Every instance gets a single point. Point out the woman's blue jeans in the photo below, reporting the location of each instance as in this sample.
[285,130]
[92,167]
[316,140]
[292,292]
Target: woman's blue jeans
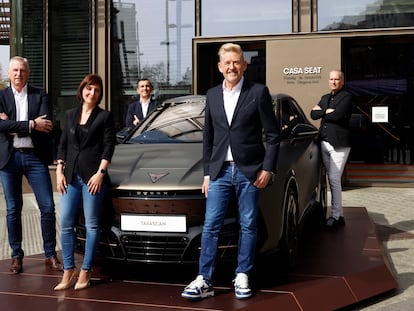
[69,204]
[219,195]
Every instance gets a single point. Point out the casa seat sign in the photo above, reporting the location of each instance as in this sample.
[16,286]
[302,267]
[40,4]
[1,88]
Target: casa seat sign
[302,70]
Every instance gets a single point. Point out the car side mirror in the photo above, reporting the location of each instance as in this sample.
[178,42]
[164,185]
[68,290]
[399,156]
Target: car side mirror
[302,131]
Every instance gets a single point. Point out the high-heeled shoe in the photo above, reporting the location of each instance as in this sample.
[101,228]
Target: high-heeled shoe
[69,278]
[84,275]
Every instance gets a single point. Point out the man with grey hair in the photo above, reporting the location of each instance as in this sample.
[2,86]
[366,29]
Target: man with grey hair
[236,160]
[26,150]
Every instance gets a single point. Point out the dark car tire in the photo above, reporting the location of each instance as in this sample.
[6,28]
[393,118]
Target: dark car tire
[290,238]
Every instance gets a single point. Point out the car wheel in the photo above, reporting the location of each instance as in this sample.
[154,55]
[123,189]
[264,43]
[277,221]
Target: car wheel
[290,239]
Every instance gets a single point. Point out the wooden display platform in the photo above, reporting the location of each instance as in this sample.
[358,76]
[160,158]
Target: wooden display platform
[335,269]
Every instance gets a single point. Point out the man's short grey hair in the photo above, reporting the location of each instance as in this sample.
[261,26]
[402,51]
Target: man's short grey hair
[20,60]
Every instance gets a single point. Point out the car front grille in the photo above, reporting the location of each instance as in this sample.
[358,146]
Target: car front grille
[150,248]
[155,248]
[184,203]
[158,247]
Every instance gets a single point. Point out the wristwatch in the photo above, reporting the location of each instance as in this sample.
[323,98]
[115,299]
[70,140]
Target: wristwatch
[103,171]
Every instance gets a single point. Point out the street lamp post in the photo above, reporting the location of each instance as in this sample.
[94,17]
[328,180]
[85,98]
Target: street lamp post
[178,26]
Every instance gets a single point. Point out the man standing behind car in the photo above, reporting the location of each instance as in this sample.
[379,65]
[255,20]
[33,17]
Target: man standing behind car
[139,109]
[237,113]
[26,149]
[335,109]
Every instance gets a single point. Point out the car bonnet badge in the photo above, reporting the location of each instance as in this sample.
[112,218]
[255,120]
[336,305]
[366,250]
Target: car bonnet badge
[156,177]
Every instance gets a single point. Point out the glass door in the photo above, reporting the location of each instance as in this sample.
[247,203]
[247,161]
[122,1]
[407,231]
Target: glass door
[379,73]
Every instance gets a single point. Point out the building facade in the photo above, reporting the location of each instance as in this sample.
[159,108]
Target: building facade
[290,46]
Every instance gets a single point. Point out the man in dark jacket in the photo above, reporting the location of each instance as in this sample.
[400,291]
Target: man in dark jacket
[237,114]
[334,110]
[26,149]
[139,109]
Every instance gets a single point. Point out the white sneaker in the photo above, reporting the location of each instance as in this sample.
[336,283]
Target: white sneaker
[241,286]
[198,289]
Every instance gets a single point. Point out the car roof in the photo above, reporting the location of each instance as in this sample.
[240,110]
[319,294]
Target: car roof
[186,99]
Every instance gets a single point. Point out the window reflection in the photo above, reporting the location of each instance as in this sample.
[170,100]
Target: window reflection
[32,44]
[151,39]
[364,14]
[245,17]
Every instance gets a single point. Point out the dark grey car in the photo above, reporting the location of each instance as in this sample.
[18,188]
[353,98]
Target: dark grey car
[155,207]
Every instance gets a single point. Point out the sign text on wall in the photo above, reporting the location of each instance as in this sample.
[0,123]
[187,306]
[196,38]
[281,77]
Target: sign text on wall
[302,75]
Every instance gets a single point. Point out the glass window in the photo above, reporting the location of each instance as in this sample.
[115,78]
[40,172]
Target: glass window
[69,55]
[33,44]
[245,17]
[151,39]
[70,42]
[363,14]
[176,121]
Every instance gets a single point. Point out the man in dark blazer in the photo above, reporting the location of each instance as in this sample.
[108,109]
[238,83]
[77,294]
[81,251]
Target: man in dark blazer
[139,109]
[25,149]
[335,109]
[238,114]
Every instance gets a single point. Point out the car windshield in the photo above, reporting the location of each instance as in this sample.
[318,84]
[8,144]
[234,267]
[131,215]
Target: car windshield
[172,122]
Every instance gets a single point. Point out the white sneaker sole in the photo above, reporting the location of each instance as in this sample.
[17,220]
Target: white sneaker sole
[243,296]
[202,296]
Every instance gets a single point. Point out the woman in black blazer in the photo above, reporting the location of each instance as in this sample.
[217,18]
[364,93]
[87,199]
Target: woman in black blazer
[85,151]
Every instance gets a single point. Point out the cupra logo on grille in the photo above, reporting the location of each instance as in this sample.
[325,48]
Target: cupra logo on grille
[156,177]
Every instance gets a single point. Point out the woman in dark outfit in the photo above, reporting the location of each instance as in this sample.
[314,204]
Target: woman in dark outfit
[85,151]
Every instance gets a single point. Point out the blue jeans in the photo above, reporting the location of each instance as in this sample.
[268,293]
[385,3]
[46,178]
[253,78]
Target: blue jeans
[219,195]
[69,204]
[38,177]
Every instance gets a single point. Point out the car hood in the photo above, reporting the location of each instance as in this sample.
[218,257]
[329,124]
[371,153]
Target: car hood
[157,167]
